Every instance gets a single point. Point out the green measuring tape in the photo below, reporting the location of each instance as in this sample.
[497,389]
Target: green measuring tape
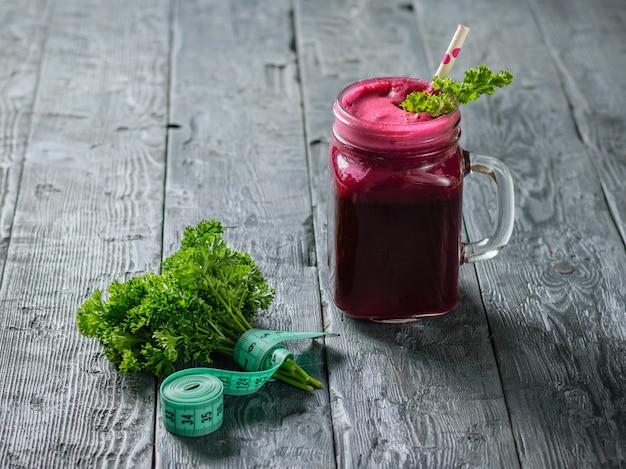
[192,400]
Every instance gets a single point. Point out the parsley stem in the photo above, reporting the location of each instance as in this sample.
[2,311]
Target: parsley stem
[240,323]
[315,383]
[225,349]
[294,382]
[303,374]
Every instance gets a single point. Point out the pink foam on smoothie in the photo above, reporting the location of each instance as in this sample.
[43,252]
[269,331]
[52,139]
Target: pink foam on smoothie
[368,116]
[380,103]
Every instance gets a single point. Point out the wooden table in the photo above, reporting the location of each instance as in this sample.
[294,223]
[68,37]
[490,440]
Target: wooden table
[122,122]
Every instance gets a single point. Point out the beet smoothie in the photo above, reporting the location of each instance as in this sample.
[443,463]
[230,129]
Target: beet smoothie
[397,183]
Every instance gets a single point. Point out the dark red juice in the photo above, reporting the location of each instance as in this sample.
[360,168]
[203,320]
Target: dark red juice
[392,258]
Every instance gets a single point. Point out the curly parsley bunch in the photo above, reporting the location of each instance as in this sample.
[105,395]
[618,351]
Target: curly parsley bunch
[203,300]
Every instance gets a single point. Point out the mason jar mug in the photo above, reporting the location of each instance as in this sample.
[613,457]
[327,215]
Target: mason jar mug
[395,220]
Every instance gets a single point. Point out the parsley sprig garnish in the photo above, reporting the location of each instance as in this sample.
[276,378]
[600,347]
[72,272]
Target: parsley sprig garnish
[446,94]
[204,299]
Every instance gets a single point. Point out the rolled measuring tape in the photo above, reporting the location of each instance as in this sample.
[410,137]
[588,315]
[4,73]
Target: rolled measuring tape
[192,400]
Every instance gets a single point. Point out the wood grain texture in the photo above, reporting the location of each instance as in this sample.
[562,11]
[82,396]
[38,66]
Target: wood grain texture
[586,43]
[555,297]
[237,154]
[425,394]
[89,210]
[21,41]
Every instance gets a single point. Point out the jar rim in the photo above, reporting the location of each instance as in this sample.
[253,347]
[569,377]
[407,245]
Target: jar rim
[351,120]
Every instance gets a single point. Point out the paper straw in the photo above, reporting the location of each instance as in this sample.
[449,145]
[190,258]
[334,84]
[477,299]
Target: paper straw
[453,51]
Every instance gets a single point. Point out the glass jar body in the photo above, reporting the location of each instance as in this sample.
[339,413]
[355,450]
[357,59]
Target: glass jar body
[395,220]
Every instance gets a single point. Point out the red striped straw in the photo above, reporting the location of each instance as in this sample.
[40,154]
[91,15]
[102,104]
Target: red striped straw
[453,51]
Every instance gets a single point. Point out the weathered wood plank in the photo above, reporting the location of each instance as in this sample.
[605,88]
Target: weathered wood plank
[425,394]
[239,157]
[21,40]
[89,210]
[555,297]
[586,41]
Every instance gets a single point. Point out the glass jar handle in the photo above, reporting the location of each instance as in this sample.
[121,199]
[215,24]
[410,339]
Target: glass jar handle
[489,247]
